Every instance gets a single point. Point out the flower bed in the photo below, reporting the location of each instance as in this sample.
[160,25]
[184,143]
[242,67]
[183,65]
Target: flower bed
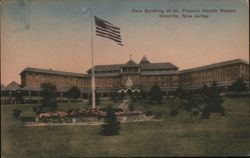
[80,115]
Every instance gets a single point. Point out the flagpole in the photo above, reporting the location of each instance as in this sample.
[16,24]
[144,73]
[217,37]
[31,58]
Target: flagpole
[93,70]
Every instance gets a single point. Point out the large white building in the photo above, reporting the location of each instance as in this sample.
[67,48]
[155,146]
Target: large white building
[111,78]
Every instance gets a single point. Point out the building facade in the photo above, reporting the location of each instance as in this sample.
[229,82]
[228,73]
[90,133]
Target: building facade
[109,79]
[224,73]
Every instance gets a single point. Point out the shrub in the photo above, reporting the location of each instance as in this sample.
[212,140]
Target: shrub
[156,94]
[179,92]
[213,102]
[205,113]
[148,113]
[114,109]
[48,95]
[35,109]
[158,114]
[70,110]
[74,93]
[238,86]
[223,113]
[146,106]
[131,107]
[111,125]
[195,112]
[114,97]
[118,110]
[173,112]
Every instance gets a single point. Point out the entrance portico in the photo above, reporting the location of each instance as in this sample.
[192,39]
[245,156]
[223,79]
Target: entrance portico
[128,91]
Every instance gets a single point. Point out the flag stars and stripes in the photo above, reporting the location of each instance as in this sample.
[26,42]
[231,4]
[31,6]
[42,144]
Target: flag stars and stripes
[108,30]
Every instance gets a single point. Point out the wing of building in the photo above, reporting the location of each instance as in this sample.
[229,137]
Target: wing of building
[143,75]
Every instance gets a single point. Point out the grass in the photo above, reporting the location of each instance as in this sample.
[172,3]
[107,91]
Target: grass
[174,136]
[163,108]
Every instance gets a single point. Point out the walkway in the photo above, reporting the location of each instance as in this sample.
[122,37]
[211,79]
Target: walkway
[124,105]
[95,123]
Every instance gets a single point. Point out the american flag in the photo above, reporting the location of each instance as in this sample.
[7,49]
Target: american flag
[108,30]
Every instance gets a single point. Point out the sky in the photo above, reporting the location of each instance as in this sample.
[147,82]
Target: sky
[56,34]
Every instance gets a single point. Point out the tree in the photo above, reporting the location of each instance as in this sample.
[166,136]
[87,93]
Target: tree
[213,102]
[48,95]
[238,86]
[143,94]
[205,90]
[111,125]
[16,113]
[74,93]
[122,95]
[192,101]
[156,94]
[131,107]
[173,110]
[179,92]
[114,97]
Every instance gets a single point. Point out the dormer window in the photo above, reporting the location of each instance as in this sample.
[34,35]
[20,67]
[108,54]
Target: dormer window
[144,60]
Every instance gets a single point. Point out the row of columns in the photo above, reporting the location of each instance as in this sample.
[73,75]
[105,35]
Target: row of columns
[108,94]
[12,100]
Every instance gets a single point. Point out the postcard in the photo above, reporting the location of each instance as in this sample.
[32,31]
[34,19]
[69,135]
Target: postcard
[122,78]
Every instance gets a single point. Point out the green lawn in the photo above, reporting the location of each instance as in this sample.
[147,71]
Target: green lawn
[174,136]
